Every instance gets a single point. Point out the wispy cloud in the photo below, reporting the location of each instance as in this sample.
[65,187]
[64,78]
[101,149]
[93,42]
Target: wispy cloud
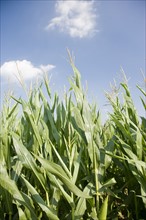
[15,70]
[77,18]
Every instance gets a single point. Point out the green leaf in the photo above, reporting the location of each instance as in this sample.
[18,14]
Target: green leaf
[27,160]
[107,184]
[38,199]
[58,184]
[10,186]
[103,209]
[59,172]
[81,205]
[22,215]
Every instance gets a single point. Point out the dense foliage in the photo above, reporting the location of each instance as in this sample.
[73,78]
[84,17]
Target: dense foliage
[58,161]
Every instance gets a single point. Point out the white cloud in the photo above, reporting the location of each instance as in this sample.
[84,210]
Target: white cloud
[14,70]
[77,18]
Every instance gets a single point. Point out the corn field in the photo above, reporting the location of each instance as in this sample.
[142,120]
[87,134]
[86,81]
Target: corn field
[58,161]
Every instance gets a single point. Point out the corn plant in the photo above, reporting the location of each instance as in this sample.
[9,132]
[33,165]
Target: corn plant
[129,155]
[58,161]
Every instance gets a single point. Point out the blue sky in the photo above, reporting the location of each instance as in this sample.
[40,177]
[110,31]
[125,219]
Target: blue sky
[103,36]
